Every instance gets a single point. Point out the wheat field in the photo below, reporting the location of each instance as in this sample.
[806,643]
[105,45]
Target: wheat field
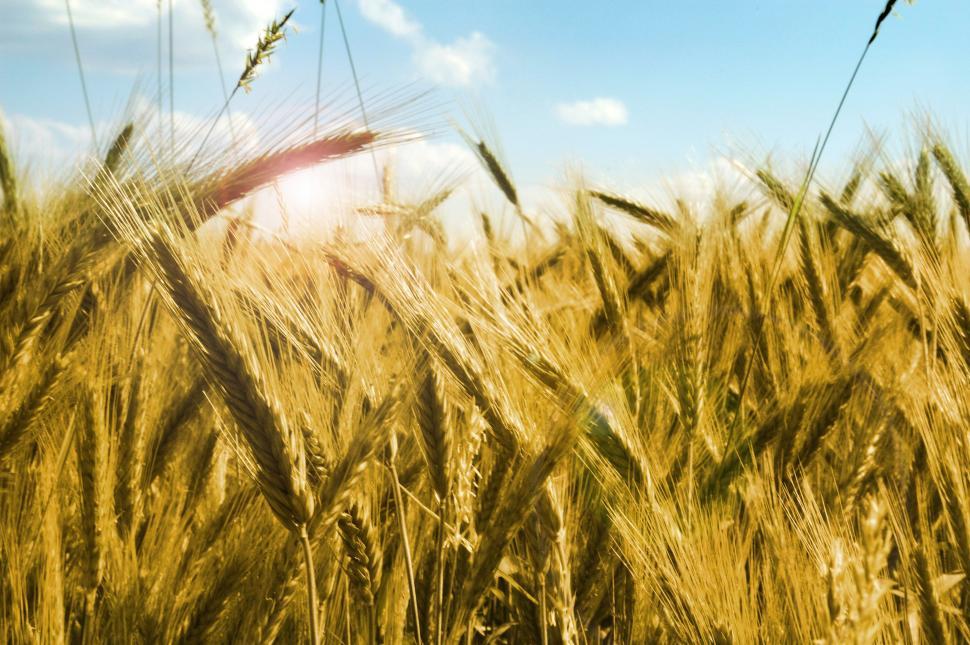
[625,428]
[730,421]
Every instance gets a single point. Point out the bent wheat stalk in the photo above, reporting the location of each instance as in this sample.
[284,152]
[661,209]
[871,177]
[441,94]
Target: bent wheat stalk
[277,451]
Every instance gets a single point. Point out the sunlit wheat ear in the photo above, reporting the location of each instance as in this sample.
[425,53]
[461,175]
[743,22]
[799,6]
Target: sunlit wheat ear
[816,289]
[956,178]
[346,471]
[317,464]
[556,579]
[499,175]
[127,408]
[260,55]
[209,17]
[72,271]
[414,312]
[174,431]
[277,449]
[613,307]
[776,190]
[333,495]
[91,447]
[227,185]
[265,47]
[599,426]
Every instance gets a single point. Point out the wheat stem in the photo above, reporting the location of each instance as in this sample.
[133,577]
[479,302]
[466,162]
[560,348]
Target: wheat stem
[311,586]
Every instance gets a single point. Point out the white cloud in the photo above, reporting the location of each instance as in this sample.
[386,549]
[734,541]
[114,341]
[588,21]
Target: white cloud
[49,146]
[464,62]
[101,15]
[43,145]
[461,63]
[598,111]
[390,16]
[121,35]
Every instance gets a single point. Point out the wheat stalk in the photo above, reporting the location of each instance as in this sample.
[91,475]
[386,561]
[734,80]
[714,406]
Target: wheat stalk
[509,516]
[234,377]
[276,450]
[256,57]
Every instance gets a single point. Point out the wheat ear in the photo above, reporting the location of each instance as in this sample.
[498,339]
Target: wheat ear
[257,56]
[434,431]
[238,384]
[524,491]
[640,212]
[278,452]
[359,537]
[958,181]
[8,179]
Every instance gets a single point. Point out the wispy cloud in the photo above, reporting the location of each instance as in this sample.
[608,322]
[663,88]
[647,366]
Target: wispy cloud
[53,146]
[598,111]
[465,61]
[120,35]
[391,17]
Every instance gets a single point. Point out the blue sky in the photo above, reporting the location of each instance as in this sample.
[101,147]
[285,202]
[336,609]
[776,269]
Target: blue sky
[633,91]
